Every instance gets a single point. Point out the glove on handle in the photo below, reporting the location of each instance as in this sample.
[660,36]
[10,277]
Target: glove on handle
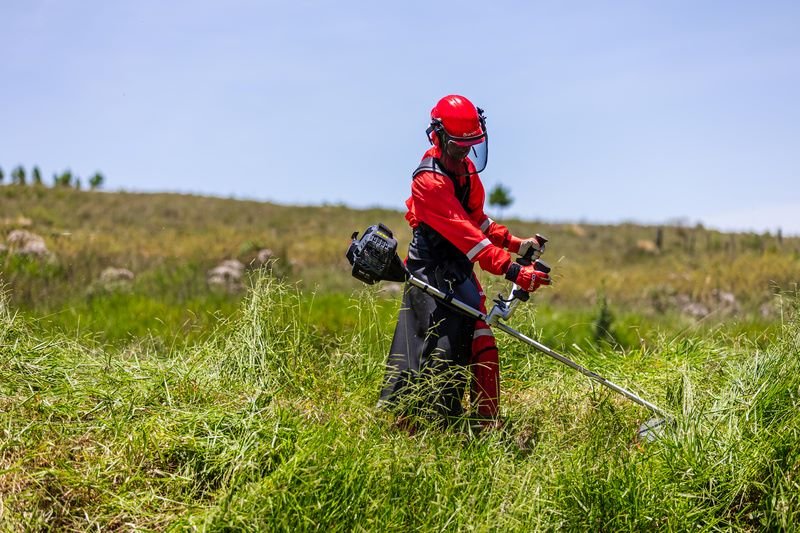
[529,277]
[532,249]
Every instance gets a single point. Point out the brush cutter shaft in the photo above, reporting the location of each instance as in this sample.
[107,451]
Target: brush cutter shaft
[470,311]
[583,370]
[433,291]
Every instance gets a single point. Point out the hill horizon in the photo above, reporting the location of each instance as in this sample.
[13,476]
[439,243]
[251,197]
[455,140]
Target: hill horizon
[684,221]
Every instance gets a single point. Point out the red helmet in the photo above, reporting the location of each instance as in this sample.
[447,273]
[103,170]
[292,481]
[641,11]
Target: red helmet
[460,128]
[458,116]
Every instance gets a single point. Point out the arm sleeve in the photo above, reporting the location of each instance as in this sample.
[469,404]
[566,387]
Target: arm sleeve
[497,234]
[435,204]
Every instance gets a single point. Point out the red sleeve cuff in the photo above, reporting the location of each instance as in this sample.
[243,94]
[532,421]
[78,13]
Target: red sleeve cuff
[514,244]
[493,260]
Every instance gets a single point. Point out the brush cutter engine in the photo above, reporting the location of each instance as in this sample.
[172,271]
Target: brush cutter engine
[374,256]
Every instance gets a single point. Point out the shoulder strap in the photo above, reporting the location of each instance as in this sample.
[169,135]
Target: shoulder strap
[430,164]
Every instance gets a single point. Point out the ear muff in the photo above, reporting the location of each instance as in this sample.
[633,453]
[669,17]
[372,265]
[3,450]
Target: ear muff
[482,119]
[434,131]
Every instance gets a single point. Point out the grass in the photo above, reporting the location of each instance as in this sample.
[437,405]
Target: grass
[152,234]
[167,405]
[271,425]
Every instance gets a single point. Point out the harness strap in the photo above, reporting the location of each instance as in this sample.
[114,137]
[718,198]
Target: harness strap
[431,164]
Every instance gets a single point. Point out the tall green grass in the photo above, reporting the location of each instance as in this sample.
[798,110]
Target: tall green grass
[271,425]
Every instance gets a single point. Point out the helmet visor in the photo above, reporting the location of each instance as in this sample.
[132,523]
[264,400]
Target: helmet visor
[476,149]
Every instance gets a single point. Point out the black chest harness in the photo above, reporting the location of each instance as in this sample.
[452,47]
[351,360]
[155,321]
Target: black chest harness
[428,245]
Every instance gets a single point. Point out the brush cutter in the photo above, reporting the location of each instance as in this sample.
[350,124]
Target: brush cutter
[374,258]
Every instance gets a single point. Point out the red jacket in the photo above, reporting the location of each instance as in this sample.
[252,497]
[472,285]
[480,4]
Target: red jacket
[481,239]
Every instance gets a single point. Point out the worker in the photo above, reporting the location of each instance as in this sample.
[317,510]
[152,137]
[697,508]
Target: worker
[436,350]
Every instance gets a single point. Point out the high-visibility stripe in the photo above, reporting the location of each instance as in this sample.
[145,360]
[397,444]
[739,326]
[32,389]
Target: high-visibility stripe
[486,332]
[486,223]
[477,248]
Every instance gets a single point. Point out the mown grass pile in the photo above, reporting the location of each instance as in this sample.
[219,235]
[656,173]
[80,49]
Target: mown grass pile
[271,424]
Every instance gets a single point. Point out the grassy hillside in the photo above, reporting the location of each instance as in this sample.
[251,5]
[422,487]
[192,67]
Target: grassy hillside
[170,241]
[163,403]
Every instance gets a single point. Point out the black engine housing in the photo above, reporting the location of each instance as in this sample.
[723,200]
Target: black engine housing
[374,256]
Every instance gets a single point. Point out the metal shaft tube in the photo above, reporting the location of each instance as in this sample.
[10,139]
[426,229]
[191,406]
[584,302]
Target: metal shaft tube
[471,311]
[583,370]
[458,304]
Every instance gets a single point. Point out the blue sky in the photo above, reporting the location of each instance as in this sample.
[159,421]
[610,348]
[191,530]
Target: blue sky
[598,111]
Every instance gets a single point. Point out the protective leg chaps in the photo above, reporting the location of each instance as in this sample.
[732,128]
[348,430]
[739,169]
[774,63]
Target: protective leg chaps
[485,366]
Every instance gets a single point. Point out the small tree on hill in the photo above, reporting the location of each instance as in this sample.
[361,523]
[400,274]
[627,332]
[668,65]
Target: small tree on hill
[96,181]
[18,176]
[501,197]
[1,175]
[63,180]
[36,176]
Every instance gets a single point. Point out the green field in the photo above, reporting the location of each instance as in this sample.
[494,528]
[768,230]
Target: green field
[166,404]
